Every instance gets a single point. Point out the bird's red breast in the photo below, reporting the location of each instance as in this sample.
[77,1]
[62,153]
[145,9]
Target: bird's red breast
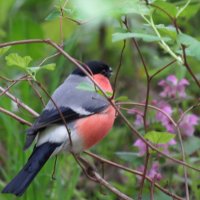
[103,82]
[94,128]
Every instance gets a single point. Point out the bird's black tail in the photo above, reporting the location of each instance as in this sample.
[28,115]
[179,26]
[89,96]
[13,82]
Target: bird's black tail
[35,162]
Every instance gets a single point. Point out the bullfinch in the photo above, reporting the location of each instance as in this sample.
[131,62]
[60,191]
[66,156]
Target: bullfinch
[88,114]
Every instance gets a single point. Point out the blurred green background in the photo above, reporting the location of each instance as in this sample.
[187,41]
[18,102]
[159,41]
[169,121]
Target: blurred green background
[27,19]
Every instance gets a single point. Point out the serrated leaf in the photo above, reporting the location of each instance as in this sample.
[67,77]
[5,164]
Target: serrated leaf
[145,37]
[86,87]
[192,45]
[53,15]
[159,137]
[14,59]
[50,66]
[4,50]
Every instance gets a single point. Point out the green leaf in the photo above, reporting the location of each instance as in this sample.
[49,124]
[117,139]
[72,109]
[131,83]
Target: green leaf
[159,137]
[91,88]
[50,66]
[68,11]
[122,98]
[4,50]
[145,37]
[166,6]
[34,70]
[14,59]
[190,11]
[53,15]
[133,7]
[193,45]
[168,31]
[86,87]
[108,94]
[101,9]
[191,145]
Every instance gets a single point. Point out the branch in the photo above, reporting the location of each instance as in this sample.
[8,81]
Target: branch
[18,102]
[71,59]
[110,187]
[16,117]
[114,164]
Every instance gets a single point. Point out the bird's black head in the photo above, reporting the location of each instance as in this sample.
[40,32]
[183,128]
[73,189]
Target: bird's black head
[94,67]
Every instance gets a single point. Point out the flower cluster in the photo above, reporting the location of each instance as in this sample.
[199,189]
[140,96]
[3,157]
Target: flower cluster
[171,88]
[153,172]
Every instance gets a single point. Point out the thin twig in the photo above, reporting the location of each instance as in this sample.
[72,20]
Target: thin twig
[110,187]
[14,83]
[188,67]
[37,92]
[49,57]
[118,69]
[185,112]
[14,116]
[146,73]
[18,102]
[59,111]
[54,169]
[66,55]
[161,69]
[152,190]
[114,164]
[144,173]
[184,160]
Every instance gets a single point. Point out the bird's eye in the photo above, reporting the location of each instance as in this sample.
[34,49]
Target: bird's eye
[103,71]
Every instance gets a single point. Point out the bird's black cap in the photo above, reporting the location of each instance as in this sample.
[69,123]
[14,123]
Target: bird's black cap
[96,67]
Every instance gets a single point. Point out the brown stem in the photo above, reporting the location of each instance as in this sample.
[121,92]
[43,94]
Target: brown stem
[188,67]
[146,73]
[21,120]
[114,164]
[161,69]
[37,93]
[118,69]
[161,9]
[110,187]
[18,102]
[59,111]
[144,173]
[65,54]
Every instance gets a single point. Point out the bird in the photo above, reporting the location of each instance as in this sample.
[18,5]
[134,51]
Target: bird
[88,114]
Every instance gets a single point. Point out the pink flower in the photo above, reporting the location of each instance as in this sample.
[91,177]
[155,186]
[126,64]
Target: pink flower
[153,173]
[165,147]
[188,123]
[141,147]
[138,117]
[172,87]
[164,106]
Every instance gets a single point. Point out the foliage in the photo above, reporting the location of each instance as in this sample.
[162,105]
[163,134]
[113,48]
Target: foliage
[166,32]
